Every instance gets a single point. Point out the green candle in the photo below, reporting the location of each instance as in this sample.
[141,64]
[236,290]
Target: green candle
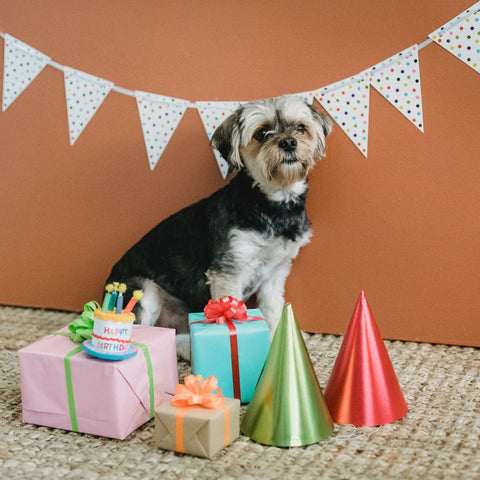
[106,299]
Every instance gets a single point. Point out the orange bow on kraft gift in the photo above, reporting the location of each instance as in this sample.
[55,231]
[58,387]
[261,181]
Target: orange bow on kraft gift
[197,392]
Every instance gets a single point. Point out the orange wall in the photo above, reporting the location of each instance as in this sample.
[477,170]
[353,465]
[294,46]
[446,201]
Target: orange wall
[404,224]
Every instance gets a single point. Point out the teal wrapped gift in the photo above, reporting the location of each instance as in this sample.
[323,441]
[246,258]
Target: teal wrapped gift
[233,351]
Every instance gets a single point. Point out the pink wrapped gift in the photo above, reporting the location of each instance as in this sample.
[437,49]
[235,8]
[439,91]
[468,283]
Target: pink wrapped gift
[64,387]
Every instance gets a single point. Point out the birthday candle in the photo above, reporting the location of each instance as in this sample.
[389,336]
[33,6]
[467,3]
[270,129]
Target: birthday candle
[137,296]
[106,299]
[113,297]
[121,290]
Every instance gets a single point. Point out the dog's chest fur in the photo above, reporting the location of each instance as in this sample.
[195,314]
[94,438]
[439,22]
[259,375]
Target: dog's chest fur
[255,257]
[261,237]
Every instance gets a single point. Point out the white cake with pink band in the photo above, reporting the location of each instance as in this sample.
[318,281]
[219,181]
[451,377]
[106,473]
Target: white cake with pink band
[111,331]
[113,325]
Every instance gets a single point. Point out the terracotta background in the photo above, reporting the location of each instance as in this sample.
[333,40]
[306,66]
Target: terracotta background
[403,225]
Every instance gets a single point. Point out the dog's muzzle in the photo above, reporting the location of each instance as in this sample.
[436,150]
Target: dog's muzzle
[288,144]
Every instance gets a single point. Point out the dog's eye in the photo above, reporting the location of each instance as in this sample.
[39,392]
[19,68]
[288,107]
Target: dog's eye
[262,134]
[301,128]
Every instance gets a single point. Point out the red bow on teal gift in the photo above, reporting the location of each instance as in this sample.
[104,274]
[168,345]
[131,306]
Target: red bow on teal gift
[227,308]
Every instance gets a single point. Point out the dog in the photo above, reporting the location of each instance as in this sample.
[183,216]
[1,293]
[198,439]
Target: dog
[241,240]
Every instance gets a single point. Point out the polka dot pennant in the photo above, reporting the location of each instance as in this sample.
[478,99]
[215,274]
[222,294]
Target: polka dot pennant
[347,102]
[461,37]
[398,80]
[212,115]
[22,64]
[84,93]
[307,96]
[159,117]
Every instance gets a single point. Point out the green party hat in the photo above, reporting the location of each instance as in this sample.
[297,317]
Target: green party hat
[287,408]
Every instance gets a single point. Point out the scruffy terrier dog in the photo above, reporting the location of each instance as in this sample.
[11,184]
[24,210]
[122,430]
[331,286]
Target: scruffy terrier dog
[241,240]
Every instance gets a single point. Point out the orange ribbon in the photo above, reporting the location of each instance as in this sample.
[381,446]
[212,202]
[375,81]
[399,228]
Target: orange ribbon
[197,392]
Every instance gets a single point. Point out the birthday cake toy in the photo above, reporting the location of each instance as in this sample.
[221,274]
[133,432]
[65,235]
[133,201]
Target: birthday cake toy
[112,327]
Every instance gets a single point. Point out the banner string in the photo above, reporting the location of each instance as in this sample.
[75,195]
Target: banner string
[131,93]
[121,90]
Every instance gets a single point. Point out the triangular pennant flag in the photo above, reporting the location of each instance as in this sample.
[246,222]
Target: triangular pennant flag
[461,36]
[307,96]
[347,102]
[159,117]
[363,389]
[22,64]
[212,115]
[84,93]
[287,408]
[398,80]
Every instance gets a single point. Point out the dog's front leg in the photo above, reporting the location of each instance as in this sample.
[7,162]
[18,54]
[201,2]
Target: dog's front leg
[270,296]
[221,285]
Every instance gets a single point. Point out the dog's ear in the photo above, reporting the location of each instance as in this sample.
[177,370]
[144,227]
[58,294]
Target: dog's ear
[226,140]
[324,125]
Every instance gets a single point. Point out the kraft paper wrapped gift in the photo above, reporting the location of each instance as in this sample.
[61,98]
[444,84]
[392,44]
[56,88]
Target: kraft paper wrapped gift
[195,428]
[211,352]
[108,398]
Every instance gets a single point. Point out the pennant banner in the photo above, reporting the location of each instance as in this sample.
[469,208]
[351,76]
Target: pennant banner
[84,93]
[347,102]
[159,117]
[307,96]
[22,64]
[461,37]
[398,80]
[212,115]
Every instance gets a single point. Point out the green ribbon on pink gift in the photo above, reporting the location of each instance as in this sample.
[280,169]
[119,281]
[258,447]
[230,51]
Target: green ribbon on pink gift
[81,329]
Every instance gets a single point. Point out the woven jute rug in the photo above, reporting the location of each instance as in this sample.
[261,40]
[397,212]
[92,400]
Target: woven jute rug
[439,437]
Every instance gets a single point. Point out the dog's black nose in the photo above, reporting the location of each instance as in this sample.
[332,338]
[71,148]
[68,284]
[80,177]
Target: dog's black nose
[288,144]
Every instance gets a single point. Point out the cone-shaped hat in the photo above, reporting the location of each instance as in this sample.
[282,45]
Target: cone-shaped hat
[363,389]
[287,408]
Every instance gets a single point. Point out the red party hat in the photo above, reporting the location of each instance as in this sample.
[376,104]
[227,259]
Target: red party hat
[363,389]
